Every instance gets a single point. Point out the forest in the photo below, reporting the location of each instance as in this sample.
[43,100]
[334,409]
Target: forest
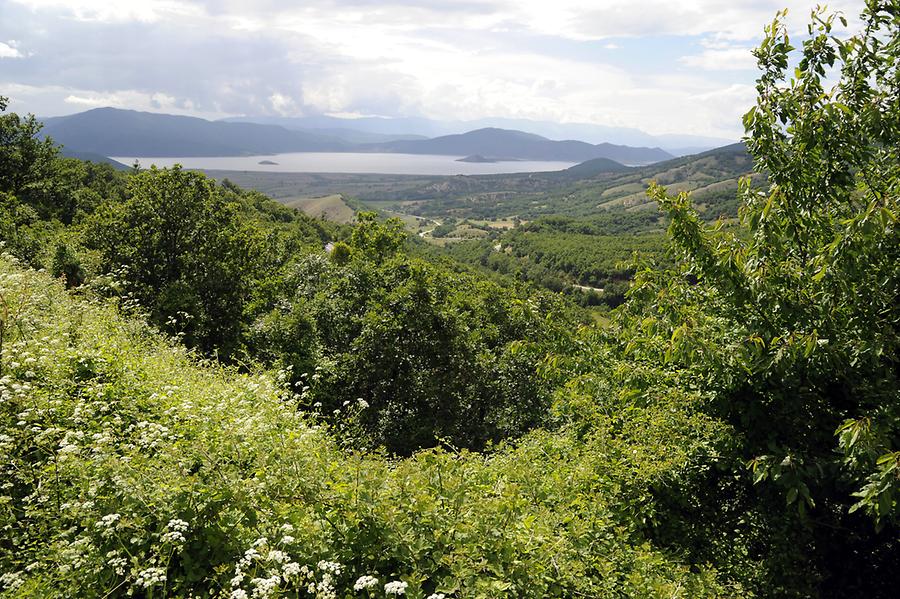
[204,393]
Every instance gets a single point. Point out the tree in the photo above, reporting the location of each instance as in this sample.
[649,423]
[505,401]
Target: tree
[26,161]
[184,253]
[433,354]
[791,324]
[376,240]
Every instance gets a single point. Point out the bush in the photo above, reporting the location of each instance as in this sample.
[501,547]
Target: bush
[130,470]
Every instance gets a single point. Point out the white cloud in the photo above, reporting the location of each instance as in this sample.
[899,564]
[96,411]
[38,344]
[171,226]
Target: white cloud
[282,104]
[115,11]
[457,59]
[9,50]
[734,58]
[598,19]
[129,99]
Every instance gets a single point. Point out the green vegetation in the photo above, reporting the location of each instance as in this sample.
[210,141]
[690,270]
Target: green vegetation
[584,191]
[331,207]
[137,470]
[199,400]
[435,355]
[573,256]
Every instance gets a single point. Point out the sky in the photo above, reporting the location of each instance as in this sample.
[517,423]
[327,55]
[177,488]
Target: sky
[662,66]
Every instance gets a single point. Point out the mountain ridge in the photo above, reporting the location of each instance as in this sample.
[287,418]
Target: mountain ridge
[117,132]
[677,144]
[493,141]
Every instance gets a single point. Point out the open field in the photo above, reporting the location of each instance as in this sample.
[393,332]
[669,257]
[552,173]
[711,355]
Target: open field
[332,207]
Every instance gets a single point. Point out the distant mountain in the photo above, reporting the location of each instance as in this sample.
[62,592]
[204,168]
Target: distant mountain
[675,144]
[592,168]
[92,157]
[114,132]
[526,146]
[347,134]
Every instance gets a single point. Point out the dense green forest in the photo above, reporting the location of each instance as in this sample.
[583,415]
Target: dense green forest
[208,394]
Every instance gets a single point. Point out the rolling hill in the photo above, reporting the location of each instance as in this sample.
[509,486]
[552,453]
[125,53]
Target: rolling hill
[92,157]
[594,187]
[492,142]
[333,208]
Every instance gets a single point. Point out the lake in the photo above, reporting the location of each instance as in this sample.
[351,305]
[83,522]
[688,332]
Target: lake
[350,162]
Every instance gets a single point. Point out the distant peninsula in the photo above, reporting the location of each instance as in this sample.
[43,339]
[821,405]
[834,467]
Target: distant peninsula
[267,162]
[486,159]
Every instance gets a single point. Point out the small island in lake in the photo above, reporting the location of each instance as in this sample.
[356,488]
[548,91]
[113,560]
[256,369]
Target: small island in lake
[267,162]
[485,159]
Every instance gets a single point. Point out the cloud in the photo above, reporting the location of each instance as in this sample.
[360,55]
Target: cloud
[600,19]
[114,11]
[718,56]
[130,99]
[459,59]
[9,50]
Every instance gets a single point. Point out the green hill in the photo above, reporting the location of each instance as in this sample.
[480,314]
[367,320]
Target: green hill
[332,207]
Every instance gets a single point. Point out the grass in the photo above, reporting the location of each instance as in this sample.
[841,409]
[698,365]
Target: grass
[332,207]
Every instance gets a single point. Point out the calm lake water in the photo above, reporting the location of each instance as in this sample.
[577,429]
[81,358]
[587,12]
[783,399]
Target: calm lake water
[332,162]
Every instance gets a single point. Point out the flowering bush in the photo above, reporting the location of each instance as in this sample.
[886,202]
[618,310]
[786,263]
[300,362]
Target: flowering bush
[130,469]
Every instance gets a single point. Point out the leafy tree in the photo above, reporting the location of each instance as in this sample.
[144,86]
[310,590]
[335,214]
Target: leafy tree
[185,254]
[435,355]
[377,240]
[26,161]
[790,325]
[66,264]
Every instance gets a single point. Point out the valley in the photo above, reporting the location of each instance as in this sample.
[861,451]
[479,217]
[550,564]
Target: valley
[432,300]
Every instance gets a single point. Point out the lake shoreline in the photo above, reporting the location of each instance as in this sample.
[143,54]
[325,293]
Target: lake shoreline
[349,163]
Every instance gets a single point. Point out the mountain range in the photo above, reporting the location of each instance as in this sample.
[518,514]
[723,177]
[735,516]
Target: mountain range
[517,144]
[676,144]
[116,132]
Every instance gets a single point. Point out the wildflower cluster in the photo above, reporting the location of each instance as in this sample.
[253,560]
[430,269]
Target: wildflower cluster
[397,587]
[365,582]
[119,453]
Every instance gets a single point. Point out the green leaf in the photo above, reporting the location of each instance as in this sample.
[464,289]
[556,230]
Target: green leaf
[791,495]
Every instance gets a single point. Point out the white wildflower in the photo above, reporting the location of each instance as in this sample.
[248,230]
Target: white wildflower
[175,532]
[264,587]
[249,556]
[151,577]
[291,569]
[397,587]
[12,580]
[364,582]
[437,596]
[108,520]
[238,594]
[118,565]
[332,567]
[177,524]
